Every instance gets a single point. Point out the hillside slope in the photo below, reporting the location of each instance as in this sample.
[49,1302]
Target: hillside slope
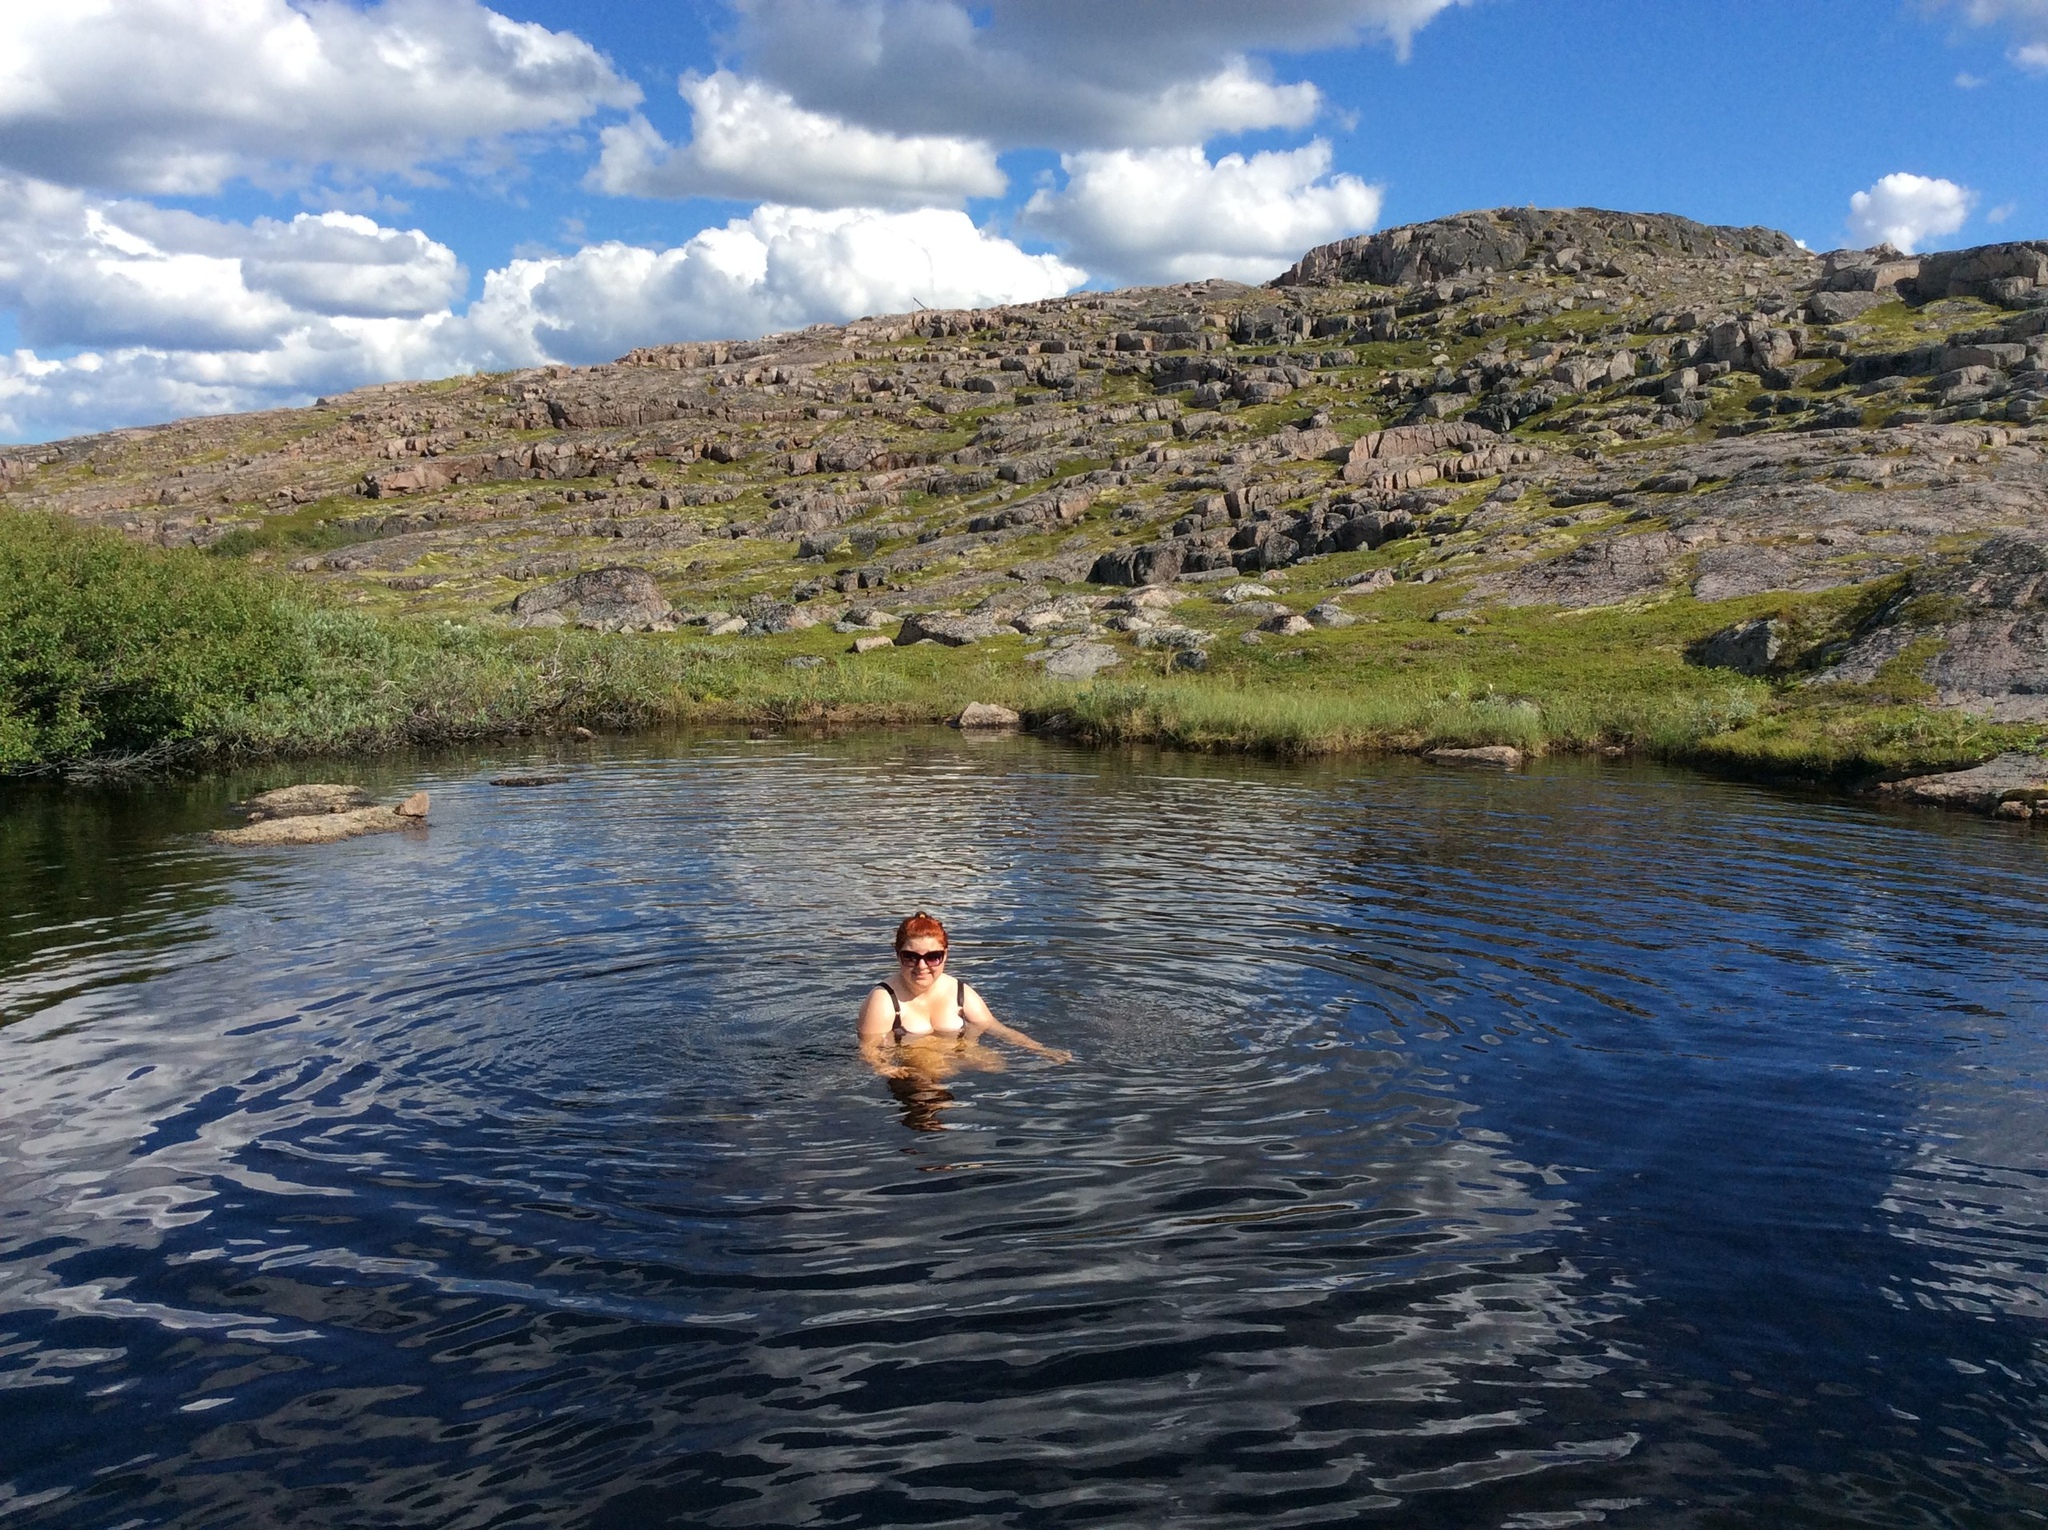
[1457,449]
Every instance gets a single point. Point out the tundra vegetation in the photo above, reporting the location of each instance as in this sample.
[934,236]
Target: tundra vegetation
[1570,480]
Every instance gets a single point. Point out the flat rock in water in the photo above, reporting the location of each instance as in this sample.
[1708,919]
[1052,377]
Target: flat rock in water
[985,715]
[1502,756]
[318,829]
[315,797]
[1980,789]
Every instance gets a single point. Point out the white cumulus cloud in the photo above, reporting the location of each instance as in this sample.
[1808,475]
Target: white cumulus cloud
[80,270]
[1174,215]
[751,140]
[185,315]
[1061,73]
[1906,210]
[779,268]
[181,96]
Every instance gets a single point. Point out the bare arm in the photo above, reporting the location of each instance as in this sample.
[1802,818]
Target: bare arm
[977,1014]
[876,1019]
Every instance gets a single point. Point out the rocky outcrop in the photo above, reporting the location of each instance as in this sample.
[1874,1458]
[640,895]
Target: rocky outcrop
[1512,238]
[1603,572]
[1076,659]
[2014,275]
[2012,786]
[1974,632]
[948,627]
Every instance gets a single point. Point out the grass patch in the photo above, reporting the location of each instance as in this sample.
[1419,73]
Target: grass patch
[309,529]
[111,650]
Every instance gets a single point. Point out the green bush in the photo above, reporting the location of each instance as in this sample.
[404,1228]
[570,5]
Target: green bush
[107,647]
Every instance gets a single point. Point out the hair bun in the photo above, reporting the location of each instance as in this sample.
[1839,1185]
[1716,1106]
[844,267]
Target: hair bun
[921,923]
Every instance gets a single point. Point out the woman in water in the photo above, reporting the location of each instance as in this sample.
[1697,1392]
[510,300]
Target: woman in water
[928,1016]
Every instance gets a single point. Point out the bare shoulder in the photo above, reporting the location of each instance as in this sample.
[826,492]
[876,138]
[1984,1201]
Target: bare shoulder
[972,1006]
[876,1011]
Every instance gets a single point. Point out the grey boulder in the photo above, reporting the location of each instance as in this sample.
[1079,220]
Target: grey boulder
[616,599]
[1077,661]
[1748,648]
[948,627]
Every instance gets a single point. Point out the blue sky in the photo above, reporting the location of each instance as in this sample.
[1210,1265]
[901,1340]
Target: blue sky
[231,204]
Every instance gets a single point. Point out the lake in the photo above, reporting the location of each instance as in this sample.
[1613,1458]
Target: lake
[1597,1145]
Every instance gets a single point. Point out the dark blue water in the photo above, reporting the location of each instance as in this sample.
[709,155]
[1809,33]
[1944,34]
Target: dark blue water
[1592,1146]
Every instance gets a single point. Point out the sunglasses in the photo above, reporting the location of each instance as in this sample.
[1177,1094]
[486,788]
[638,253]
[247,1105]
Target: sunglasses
[929,958]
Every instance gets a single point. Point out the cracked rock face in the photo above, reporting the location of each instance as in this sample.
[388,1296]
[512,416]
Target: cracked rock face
[1977,632]
[1597,573]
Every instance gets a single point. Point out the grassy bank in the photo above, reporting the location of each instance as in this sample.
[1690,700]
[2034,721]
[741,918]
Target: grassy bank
[114,654]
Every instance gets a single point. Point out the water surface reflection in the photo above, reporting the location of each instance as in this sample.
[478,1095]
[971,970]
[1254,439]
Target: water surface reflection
[1587,1146]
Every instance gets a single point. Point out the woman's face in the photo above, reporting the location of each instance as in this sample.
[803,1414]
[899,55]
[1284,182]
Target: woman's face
[921,959]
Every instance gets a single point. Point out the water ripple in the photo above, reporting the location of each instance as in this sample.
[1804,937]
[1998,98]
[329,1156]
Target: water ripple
[1592,1146]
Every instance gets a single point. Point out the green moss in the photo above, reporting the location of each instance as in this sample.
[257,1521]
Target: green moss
[1931,610]
[311,528]
[1904,678]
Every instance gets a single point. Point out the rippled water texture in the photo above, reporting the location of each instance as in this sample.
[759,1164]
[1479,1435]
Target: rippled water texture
[1443,1149]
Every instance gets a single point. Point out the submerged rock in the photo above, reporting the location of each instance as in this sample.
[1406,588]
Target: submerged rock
[304,801]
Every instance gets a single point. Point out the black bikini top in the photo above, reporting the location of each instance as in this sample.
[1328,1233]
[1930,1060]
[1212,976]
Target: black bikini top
[897,1032]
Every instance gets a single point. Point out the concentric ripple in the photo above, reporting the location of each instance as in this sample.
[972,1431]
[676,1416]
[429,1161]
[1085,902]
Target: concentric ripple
[1590,1146]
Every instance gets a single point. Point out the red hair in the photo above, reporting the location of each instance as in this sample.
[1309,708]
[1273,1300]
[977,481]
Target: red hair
[921,923]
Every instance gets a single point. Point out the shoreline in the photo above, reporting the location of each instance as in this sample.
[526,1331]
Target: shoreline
[127,660]
[1858,781]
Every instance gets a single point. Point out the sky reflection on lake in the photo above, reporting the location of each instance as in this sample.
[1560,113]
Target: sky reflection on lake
[1593,1146]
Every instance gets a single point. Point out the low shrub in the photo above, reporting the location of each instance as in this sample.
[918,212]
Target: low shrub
[107,647]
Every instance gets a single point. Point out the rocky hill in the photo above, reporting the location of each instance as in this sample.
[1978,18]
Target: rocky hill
[1569,410]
